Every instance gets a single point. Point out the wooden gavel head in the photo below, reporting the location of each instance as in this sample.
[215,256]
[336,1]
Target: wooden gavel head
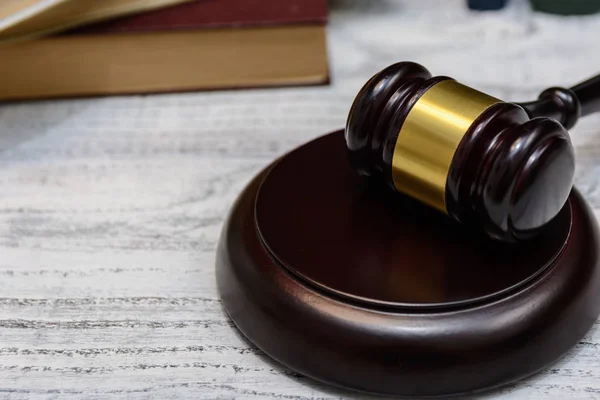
[481,161]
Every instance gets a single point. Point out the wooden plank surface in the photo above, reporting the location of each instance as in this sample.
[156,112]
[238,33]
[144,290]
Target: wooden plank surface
[111,208]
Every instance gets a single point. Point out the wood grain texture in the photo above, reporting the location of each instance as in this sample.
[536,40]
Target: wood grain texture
[111,208]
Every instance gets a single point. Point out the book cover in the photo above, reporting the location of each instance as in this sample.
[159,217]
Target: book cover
[217,14]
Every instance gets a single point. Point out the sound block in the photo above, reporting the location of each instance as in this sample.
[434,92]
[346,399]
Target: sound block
[359,287]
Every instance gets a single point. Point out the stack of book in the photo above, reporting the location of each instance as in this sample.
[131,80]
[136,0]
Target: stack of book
[68,48]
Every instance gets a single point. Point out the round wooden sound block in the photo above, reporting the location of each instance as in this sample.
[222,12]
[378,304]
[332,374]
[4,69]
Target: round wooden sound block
[367,289]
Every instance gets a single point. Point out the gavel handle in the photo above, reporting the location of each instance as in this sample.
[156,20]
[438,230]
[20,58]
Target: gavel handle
[567,105]
[588,93]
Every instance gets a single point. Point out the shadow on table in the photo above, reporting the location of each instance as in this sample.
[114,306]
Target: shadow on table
[21,122]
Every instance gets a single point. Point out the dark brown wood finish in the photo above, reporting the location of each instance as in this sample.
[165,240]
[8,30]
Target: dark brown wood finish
[588,94]
[510,175]
[368,238]
[567,105]
[513,170]
[377,114]
[364,288]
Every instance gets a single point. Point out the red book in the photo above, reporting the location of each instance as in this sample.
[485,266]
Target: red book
[219,14]
[205,44]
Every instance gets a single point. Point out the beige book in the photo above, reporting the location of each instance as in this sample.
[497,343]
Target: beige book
[29,19]
[13,12]
[10,8]
[167,61]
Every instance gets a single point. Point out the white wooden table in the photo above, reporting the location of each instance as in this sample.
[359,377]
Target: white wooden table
[110,208]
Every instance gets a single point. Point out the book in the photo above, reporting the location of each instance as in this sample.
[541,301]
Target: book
[202,45]
[28,19]
[19,9]
[220,14]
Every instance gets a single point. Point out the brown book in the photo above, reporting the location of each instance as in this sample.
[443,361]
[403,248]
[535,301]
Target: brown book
[206,44]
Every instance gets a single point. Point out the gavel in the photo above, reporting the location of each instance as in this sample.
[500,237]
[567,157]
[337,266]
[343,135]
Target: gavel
[504,168]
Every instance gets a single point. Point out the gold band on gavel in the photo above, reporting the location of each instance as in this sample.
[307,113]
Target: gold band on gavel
[430,136]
